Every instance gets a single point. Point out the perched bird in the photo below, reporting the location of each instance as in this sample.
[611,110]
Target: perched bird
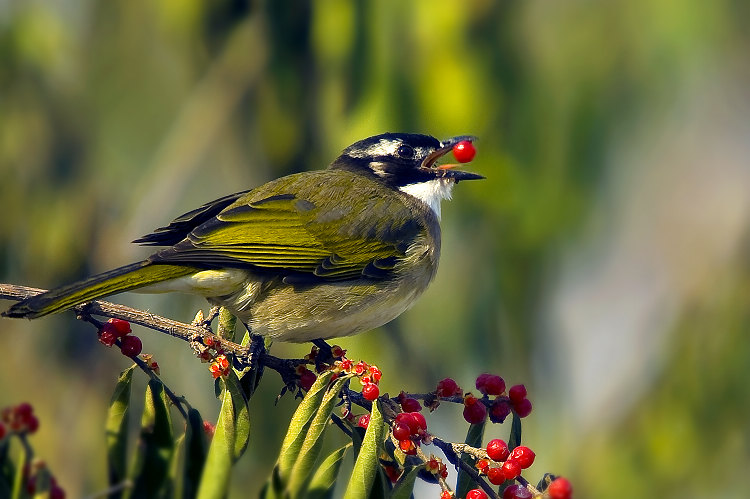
[312,255]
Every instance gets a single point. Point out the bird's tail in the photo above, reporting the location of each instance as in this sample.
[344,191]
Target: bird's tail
[136,275]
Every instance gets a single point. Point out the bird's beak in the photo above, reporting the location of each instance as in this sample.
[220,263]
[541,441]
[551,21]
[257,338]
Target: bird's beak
[449,171]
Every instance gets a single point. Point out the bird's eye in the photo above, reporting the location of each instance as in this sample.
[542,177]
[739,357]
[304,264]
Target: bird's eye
[405,151]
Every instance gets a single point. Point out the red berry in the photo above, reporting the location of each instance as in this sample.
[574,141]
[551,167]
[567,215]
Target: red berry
[523,455]
[363,421]
[517,393]
[464,151]
[32,424]
[401,431]
[511,469]
[56,492]
[447,388]
[474,410]
[517,491]
[476,494]
[407,447]
[209,428]
[306,379]
[370,391]
[408,419]
[522,408]
[376,374]
[497,450]
[446,494]
[560,488]
[119,326]
[410,405]
[24,410]
[490,384]
[495,476]
[392,472]
[3,431]
[499,410]
[107,337]
[421,421]
[361,367]
[131,346]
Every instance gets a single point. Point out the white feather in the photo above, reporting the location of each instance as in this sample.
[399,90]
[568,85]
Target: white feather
[431,192]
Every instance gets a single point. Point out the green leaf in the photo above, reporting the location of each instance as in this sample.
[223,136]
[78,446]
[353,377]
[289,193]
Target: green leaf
[117,430]
[228,443]
[515,433]
[174,467]
[196,449]
[367,464]
[227,324]
[156,445]
[321,485]
[473,438]
[19,487]
[381,486]
[313,442]
[405,484]
[241,415]
[301,419]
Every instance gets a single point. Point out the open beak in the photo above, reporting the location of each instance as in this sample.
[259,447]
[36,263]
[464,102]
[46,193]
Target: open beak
[449,171]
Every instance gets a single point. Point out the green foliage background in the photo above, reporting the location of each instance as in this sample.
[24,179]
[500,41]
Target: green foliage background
[604,261]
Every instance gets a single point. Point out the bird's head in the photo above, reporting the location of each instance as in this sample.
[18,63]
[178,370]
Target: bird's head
[408,162]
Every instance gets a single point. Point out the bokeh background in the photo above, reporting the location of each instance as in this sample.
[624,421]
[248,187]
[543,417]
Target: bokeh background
[605,261]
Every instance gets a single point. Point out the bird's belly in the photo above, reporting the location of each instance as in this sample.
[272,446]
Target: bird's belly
[206,283]
[329,310]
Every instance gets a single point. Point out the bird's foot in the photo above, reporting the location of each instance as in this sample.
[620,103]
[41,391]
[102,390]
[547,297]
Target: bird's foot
[255,350]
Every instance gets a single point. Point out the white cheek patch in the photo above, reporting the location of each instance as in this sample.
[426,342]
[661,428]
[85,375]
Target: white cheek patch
[431,192]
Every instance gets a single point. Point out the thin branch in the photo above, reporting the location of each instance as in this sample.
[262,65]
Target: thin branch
[181,330]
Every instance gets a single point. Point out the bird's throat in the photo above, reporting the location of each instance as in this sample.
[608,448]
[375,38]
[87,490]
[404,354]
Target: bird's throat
[431,192]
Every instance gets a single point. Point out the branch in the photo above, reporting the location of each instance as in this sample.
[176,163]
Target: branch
[186,332]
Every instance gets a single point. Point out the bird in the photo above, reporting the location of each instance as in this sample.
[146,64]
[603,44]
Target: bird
[309,256]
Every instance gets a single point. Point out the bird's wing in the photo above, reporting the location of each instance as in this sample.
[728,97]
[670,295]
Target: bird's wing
[304,231]
[183,225]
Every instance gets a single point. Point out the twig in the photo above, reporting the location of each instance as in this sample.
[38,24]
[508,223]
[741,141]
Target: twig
[185,332]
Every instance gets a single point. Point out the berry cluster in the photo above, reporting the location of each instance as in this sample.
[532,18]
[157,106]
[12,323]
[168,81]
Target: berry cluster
[510,462]
[437,467]
[115,329]
[18,419]
[489,385]
[410,430]
[219,367]
[210,350]
[369,375]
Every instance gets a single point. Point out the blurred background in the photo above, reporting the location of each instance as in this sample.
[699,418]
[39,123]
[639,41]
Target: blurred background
[605,261]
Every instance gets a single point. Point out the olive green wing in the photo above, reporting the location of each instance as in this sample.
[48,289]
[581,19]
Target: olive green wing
[302,235]
[181,226]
